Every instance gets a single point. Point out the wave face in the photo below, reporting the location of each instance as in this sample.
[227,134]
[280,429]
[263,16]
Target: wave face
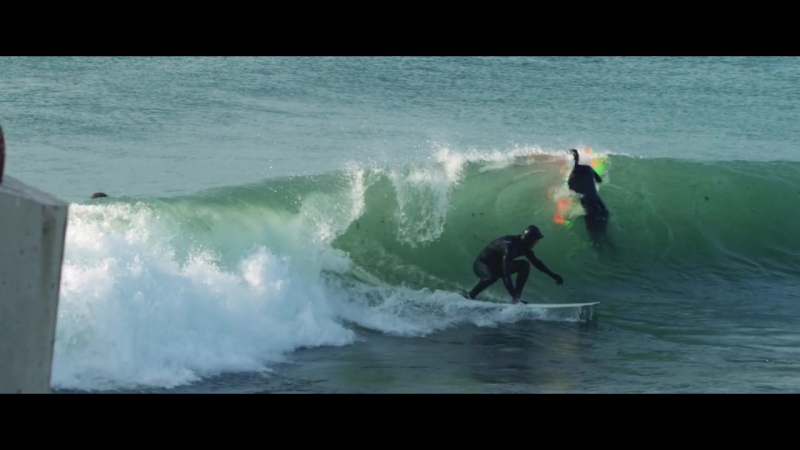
[160,292]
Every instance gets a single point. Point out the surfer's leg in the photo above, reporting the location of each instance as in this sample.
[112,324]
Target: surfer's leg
[595,228]
[596,219]
[522,268]
[486,276]
[602,207]
[601,226]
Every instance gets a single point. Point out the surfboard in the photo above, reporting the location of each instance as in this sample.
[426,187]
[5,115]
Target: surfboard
[561,305]
[537,305]
[364,276]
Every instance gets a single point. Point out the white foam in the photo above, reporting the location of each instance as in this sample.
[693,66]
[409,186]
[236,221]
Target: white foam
[423,196]
[132,315]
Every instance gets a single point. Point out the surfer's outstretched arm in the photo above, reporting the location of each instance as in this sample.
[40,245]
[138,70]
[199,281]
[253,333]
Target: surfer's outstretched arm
[596,176]
[542,267]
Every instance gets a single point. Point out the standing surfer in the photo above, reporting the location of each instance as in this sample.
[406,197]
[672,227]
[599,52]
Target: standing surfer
[582,181]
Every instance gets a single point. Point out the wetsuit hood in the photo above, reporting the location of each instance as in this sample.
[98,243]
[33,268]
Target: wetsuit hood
[531,233]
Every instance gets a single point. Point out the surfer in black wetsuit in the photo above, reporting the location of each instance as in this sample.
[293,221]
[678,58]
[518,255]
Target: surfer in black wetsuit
[498,260]
[582,181]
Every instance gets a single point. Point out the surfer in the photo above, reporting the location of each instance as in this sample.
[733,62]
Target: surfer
[499,260]
[582,181]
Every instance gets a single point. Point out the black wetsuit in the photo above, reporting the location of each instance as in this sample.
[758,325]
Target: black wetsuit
[581,181]
[497,260]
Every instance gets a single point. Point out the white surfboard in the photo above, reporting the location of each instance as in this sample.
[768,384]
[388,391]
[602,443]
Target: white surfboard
[364,276]
[538,305]
[561,305]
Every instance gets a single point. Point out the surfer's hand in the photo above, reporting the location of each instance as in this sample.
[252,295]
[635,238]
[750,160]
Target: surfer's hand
[559,280]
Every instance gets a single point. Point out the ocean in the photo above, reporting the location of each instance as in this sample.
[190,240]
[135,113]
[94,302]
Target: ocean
[303,225]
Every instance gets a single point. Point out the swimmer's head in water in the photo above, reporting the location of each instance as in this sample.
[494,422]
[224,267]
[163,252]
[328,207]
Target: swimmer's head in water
[98,195]
[531,235]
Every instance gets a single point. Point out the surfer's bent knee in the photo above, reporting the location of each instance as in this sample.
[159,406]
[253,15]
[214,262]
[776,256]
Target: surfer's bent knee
[483,271]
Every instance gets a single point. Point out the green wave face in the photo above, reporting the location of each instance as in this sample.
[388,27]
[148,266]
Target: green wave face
[421,227]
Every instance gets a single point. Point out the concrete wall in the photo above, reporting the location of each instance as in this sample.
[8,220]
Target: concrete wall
[32,232]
